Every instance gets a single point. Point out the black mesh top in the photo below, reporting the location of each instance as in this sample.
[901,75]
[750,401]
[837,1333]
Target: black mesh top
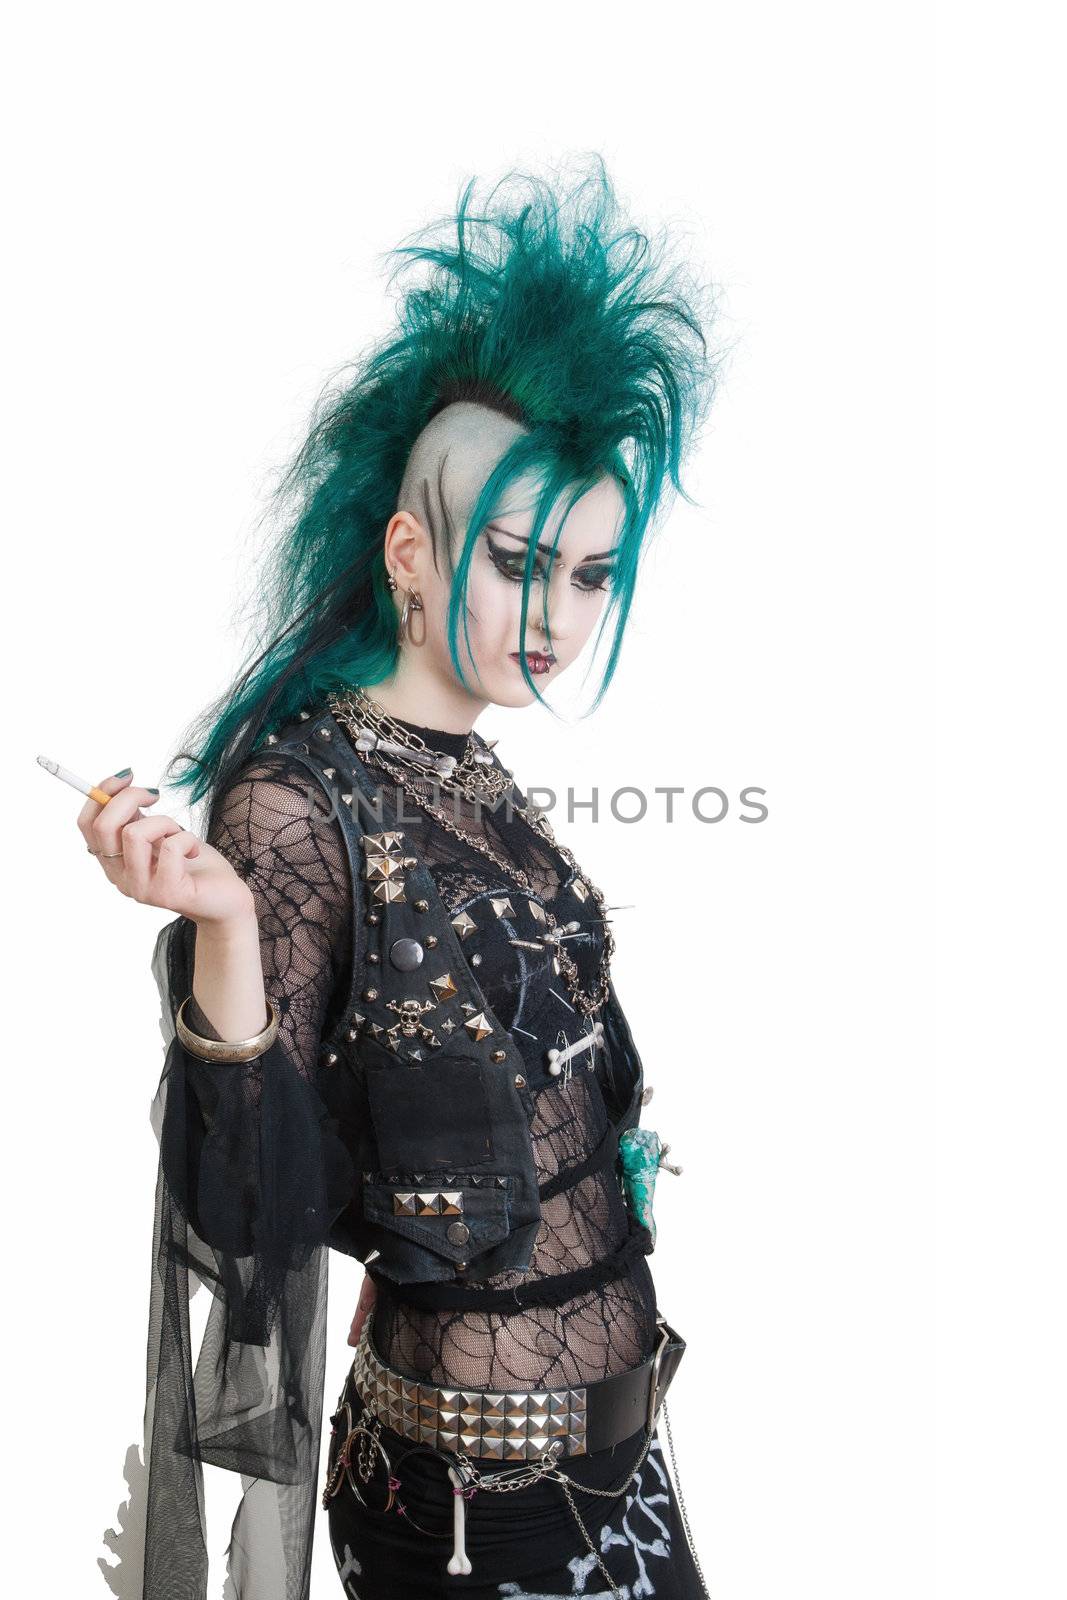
[256,1409]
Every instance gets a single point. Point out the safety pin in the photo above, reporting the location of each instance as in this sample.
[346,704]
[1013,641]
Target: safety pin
[557,1058]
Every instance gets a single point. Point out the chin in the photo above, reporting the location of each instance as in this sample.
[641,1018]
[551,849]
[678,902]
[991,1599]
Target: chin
[514,696]
[514,692]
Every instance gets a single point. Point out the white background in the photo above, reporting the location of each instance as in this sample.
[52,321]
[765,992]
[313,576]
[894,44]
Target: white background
[872,1403]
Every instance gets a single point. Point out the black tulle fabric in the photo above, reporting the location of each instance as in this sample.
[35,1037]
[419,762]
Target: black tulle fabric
[252,1177]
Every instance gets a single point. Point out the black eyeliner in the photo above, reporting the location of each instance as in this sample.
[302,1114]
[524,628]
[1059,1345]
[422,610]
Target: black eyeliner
[500,559]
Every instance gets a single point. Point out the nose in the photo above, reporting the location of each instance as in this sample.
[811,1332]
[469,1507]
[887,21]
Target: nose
[535,628]
[555,603]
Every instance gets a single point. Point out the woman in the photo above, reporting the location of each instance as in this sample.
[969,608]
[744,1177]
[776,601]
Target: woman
[465,511]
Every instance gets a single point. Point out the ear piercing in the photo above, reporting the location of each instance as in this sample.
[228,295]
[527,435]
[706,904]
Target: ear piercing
[412,602]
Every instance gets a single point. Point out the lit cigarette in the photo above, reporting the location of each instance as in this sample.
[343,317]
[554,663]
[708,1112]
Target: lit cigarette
[100,795]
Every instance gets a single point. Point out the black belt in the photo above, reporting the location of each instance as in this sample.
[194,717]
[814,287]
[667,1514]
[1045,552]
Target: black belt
[518,1424]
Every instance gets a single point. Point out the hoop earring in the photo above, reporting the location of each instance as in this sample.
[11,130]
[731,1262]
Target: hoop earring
[412,602]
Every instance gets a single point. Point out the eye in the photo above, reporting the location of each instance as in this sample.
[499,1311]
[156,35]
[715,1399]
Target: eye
[592,579]
[512,564]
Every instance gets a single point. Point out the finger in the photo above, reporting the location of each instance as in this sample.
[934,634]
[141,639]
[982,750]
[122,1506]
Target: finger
[92,808]
[171,864]
[137,843]
[111,819]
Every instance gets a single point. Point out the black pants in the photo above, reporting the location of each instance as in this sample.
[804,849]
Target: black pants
[523,1545]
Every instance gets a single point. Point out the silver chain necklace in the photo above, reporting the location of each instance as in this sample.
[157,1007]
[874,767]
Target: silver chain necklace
[475,775]
[478,779]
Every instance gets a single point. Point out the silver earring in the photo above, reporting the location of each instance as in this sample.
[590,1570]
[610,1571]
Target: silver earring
[412,602]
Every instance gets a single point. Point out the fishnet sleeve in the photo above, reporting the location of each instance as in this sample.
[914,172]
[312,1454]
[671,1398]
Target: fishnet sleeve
[252,1175]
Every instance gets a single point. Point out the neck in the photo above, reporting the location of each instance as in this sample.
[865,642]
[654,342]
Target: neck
[427,702]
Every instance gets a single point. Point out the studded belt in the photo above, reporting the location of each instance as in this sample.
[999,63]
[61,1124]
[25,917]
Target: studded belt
[518,1424]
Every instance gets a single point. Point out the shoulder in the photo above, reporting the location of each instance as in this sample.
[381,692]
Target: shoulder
[317,740]
[277,802]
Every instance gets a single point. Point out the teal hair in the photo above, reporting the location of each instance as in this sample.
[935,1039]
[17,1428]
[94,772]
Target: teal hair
[542,302]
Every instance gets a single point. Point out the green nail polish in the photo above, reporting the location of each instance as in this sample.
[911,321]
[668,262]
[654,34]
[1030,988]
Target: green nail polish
[123,774]
[153,791]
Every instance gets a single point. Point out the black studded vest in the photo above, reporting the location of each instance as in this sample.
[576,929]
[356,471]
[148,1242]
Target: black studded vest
[429,1091]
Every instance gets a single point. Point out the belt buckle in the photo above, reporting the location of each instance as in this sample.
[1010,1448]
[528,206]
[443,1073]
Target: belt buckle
[657,1361]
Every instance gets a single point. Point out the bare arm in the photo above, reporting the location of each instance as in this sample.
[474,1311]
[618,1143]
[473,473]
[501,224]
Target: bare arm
[228,979]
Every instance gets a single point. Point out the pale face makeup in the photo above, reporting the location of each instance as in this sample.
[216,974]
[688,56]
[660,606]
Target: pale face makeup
[577,575]
[446,472]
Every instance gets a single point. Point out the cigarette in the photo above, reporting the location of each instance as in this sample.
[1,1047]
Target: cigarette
[100,795]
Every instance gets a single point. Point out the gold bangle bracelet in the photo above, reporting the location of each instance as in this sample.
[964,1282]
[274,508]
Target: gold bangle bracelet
[222,1049]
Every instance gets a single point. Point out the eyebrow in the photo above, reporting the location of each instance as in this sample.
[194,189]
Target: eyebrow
[509,533]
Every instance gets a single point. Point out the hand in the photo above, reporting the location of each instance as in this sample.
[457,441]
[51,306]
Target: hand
[363,1308]
[158,862]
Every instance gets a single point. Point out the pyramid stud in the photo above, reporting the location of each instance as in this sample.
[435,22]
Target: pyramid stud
[377,867]
[390,893]
[443,987]
[478,1026]
[382,843]
[502,906]
[464,925]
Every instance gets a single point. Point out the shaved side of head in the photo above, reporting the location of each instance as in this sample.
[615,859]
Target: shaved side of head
[447,469]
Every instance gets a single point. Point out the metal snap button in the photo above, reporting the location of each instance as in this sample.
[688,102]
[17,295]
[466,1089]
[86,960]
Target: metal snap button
[458,1233]
[406,954]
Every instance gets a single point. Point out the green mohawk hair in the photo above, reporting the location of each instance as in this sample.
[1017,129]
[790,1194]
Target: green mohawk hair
[540,301]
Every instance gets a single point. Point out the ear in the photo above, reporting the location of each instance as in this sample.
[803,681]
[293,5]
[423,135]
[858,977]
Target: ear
[405,540]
